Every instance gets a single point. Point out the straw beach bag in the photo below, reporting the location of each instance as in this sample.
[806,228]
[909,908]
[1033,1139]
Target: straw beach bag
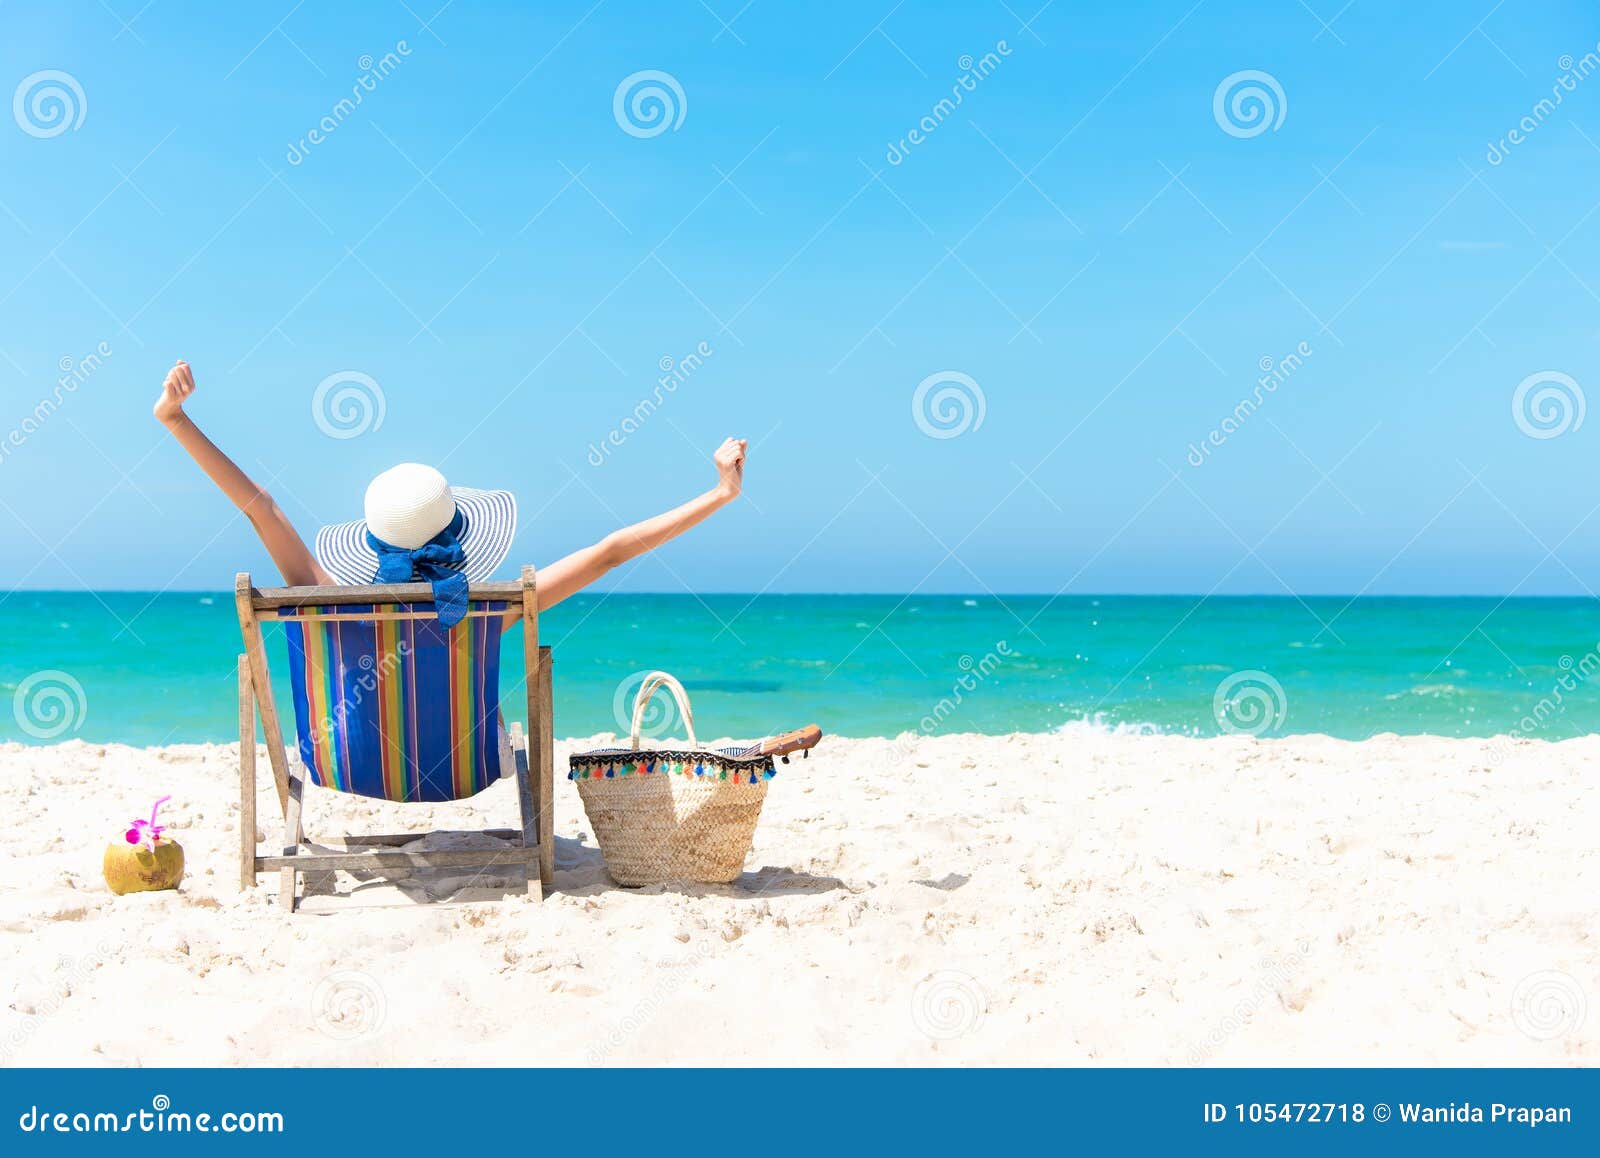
[660,814]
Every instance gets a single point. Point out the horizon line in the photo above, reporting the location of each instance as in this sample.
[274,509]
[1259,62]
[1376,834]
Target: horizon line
[6,593]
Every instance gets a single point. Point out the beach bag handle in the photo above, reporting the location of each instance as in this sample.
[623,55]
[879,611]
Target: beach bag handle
[653,681]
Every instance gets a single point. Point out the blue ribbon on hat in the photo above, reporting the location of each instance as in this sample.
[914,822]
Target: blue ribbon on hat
[437,561]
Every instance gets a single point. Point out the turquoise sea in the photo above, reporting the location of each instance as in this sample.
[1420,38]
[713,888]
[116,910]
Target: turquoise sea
[151,669]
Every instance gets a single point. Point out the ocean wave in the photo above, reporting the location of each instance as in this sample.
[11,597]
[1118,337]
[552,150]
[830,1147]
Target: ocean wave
[1432,691]
[1098,725]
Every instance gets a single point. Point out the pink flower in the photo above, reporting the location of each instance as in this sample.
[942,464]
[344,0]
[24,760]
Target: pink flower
[147,831]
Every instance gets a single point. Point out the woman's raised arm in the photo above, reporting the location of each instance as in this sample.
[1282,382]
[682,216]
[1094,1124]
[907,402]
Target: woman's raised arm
[567,576]
[295,561]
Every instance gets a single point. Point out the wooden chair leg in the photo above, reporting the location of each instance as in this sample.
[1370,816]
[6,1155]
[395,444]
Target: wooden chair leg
[247,777]
[292,835]
[544,770]
[530,825]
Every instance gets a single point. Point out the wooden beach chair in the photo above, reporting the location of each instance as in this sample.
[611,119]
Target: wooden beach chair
[391,704]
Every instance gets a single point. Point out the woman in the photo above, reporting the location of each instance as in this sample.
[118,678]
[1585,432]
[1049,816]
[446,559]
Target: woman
[419,527]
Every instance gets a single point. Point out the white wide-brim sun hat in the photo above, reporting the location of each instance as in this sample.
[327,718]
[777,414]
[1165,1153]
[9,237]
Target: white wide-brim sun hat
[409,504]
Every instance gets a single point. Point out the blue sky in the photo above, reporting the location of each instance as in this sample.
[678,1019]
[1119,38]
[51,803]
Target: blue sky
[1080,237]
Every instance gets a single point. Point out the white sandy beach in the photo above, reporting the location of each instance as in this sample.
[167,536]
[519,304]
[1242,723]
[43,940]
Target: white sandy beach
[1051,899]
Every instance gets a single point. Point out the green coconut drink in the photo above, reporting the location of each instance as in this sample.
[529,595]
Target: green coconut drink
[145,860]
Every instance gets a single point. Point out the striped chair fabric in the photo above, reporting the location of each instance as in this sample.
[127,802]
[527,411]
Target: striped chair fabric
[400,709]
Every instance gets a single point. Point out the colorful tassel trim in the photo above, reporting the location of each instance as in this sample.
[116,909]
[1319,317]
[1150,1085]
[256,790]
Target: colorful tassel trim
[614,771]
